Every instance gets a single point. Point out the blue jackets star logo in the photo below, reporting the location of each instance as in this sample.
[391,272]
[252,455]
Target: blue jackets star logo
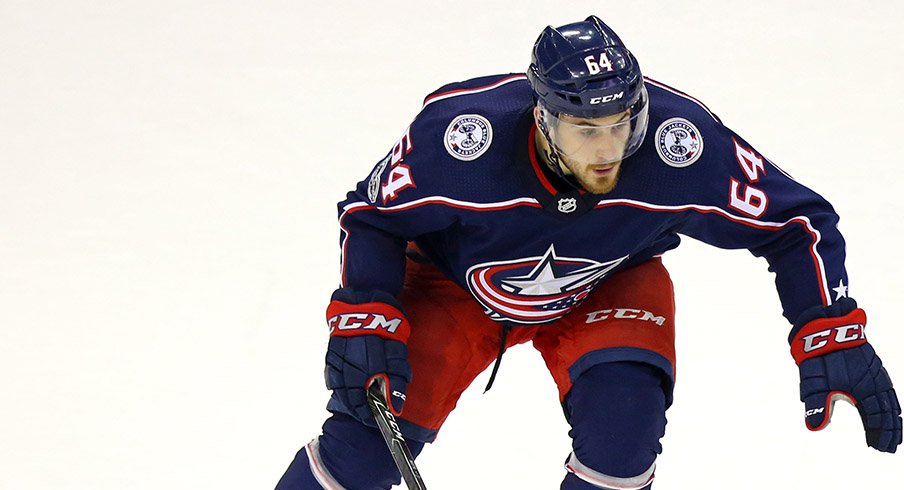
[544,280]
[536,289]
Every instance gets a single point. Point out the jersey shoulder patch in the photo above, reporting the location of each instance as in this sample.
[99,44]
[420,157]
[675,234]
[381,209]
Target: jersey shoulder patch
[678,142]
[468,136]
[464,132]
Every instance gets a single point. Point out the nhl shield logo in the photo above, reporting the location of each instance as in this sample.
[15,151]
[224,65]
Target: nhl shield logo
[567,204]
[535,290]
[678,142]
[468,136]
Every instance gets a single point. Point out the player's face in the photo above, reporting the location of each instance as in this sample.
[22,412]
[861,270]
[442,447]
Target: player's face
[592,149]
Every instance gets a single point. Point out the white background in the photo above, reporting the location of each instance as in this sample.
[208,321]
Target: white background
[168,178]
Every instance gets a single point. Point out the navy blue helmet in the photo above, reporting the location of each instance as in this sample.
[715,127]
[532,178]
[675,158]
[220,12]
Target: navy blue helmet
[584,70]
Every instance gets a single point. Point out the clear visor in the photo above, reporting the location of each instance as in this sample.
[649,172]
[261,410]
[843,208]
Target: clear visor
[597,141]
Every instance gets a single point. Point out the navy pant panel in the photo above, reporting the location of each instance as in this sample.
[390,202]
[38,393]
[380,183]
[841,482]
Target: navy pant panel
[617,416]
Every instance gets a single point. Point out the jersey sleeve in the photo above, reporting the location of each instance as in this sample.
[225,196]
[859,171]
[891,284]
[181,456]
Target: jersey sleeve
[388,209]
[745,201]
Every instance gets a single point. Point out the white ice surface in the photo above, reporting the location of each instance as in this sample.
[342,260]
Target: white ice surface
[168,178]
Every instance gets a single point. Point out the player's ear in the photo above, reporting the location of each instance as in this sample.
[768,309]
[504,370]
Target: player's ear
[537,115]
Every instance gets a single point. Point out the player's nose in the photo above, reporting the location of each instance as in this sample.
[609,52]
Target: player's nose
[607,149]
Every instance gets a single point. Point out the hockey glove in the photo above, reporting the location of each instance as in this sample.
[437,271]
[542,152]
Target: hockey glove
[367,339]
[837,363]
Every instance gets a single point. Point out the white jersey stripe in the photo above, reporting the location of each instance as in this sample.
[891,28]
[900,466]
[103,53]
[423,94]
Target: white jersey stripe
[821,272]
[477,90]
[680,94]
[786,174]
[475,206]
[493,206]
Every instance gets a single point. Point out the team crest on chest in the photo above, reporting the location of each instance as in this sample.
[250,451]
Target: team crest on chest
[535,289]
[678,142]
[468,136]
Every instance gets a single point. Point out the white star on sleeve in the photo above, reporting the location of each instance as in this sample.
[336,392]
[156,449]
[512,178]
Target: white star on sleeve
[841,291]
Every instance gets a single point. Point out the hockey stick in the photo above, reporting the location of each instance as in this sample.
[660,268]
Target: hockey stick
[392,434]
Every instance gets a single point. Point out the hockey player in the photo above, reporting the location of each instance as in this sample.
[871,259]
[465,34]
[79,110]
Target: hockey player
[535,207]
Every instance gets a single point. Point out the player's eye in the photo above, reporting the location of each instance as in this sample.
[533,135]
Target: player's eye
[588,132]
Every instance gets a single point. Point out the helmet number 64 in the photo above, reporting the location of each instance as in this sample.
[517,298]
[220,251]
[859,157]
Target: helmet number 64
[595,66]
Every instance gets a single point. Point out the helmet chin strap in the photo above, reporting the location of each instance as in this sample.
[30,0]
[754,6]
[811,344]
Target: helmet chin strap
[552,159]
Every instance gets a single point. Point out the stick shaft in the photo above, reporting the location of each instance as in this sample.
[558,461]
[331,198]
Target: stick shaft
[392,434]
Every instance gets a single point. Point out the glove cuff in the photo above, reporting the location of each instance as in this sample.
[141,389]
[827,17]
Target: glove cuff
[824,335]
[374,318]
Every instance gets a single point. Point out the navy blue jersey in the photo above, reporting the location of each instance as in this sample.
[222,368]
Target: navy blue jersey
[465,185]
